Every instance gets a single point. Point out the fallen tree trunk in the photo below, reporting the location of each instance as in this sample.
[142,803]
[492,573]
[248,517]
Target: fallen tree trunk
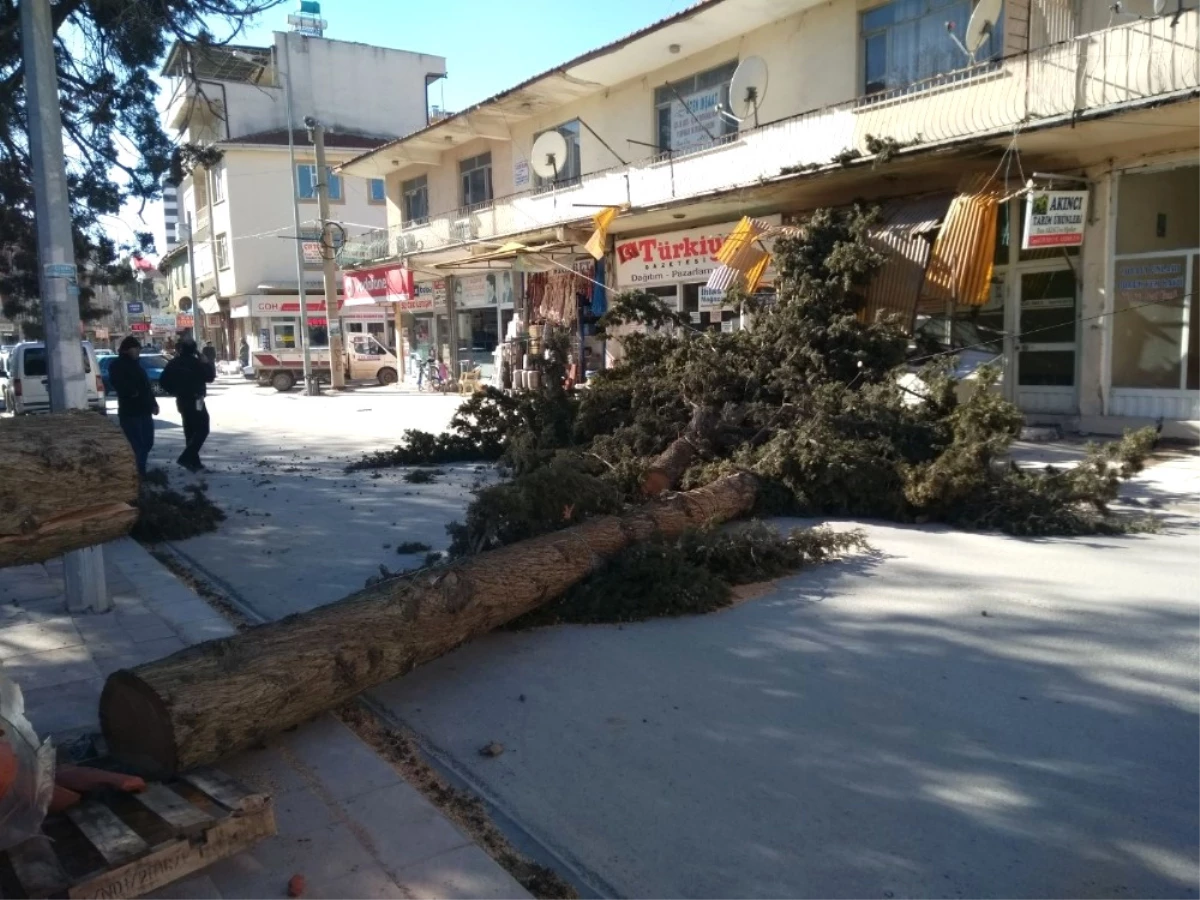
[208,701]
[67,480]
[668,467]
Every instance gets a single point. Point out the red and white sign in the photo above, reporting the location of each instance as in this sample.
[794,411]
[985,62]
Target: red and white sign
[278,306]
[390,284]
[185,320]
[676,257]
[139,327]
[1054,219]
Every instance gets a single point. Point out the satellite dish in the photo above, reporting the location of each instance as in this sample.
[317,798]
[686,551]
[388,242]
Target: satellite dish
[979,28]
[549,155]
[160,288]
[747,89]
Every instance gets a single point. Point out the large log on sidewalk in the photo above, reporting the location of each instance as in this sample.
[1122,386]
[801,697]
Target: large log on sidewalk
[208,701]
[67,480]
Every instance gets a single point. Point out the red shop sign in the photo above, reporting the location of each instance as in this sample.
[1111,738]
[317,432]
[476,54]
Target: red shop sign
[392,284]
[139,326]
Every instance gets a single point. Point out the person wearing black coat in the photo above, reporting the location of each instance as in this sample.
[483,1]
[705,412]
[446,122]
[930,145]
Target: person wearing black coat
[186,378]
[136,406]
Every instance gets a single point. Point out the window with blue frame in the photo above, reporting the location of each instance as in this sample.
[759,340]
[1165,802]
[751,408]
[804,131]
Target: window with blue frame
[306,183]
[376,190]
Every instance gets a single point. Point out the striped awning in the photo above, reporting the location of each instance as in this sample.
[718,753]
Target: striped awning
[960,263]
[904,236]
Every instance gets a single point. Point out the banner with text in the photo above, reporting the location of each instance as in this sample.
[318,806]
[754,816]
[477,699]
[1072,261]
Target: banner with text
[677,257]
[387,284]
[1054,219]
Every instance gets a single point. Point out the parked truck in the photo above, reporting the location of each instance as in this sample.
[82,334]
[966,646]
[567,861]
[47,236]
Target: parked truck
[365,359]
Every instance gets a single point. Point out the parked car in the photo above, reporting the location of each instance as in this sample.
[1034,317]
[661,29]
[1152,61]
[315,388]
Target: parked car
[28,387]
[153,364]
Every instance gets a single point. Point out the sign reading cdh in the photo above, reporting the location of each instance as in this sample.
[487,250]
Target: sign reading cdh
[1054,219]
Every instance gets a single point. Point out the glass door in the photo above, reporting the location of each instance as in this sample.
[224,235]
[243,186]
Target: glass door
[1047,339]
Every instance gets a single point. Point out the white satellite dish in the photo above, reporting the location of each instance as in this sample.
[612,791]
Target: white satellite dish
[549,155]
[1141,9]
[747,89]
[979,28]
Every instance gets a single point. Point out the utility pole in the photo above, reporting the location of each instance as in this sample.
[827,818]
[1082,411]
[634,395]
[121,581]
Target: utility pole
[83,570]
[311,387]
[337,375]
[191,244]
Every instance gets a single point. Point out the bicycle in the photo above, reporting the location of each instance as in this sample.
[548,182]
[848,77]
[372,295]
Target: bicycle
[429,376]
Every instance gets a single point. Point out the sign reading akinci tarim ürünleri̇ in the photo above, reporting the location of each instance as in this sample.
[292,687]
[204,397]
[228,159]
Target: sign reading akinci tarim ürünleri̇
[1054,219]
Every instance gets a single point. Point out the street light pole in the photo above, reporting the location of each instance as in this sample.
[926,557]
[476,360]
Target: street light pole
[83,570]
[337,375]
[311,388]
[191,245]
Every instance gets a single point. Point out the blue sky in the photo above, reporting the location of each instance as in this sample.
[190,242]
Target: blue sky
[489,45]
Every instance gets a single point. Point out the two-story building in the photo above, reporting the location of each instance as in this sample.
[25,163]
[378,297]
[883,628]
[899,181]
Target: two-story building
[777,107]
[240,209]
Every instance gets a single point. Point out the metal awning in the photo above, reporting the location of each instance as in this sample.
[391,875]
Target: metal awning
[513,256]
[904,237]
[210,305]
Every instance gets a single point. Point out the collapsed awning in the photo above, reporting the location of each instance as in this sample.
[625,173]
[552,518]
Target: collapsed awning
[960,263]
[904,237]
[514,256]
[210,305]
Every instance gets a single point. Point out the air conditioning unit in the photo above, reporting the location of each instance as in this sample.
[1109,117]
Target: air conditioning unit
[464,229]
[408,243]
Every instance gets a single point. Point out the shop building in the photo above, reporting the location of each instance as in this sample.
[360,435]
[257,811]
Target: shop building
[240,207]
[864,100]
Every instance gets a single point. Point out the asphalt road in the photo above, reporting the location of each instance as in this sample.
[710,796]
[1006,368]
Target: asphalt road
[957,715]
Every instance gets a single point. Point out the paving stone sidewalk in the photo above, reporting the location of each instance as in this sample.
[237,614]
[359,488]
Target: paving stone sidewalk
[347,821]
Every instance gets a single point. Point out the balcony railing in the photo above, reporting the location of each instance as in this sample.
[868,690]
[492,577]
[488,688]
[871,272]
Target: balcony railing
[1125,64]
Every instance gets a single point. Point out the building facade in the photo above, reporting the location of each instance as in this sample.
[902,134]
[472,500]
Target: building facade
[855,99]
[234,99]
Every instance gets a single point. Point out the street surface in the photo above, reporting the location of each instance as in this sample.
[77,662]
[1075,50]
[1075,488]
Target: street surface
[957,715]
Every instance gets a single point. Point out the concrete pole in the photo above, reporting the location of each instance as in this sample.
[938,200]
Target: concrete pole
[311,387]
[83,570]
[191,244]
[336,361]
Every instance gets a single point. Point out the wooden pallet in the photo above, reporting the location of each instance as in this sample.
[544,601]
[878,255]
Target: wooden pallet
[125,845]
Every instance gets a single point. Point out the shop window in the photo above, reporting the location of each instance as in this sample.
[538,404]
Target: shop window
[687,114]
[414,194]
[905,42]
[475,174]
[376,190]
[569,169]
[306,183]
[1148,322]
[1157,211]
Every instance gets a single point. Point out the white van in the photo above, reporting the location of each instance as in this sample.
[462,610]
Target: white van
[28,389]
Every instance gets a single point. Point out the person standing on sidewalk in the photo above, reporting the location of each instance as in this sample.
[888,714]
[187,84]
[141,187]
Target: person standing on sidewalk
[210,352]
[136,406]
[186,378]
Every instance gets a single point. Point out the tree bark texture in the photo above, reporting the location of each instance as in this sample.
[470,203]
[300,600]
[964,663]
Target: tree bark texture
[208,701]
[668,467]
[67,480]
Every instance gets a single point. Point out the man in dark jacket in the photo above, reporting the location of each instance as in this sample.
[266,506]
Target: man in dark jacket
[186,378]
[209,352]
[136,406]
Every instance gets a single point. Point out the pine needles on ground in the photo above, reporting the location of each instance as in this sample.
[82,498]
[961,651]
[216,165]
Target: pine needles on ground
[692,575]
[168,515]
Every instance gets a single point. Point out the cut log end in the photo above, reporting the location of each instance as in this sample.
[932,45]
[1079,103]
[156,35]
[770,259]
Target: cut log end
[137,726]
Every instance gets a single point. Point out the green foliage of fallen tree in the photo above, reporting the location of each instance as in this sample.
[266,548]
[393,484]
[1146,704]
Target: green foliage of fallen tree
[822,407]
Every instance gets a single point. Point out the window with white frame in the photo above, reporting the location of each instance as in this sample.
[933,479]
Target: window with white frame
[414,195]
[216,178]
[569,169]
[222,251]
[306,183]
[687,112]
[475,174]
[376,190]
[906,41]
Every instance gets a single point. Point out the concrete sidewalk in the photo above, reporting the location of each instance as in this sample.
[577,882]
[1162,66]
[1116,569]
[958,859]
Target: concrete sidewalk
[347,821]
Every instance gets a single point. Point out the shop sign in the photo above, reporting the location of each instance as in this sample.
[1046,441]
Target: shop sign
[134,308]
[387,284]
[101,334]
[1047,303]
[479,291]
[711,297]
[431,294]
[185,320]
[676,257]
[162,323]
[696,120]
[139,327]
[1054,219]
[1144,281]
[521,177]
[272,306]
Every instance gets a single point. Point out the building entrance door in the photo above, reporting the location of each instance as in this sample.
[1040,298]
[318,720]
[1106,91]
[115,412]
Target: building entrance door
[1044,322]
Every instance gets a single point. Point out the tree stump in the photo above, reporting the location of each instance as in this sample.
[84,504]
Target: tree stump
[67,480]
[208,701]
